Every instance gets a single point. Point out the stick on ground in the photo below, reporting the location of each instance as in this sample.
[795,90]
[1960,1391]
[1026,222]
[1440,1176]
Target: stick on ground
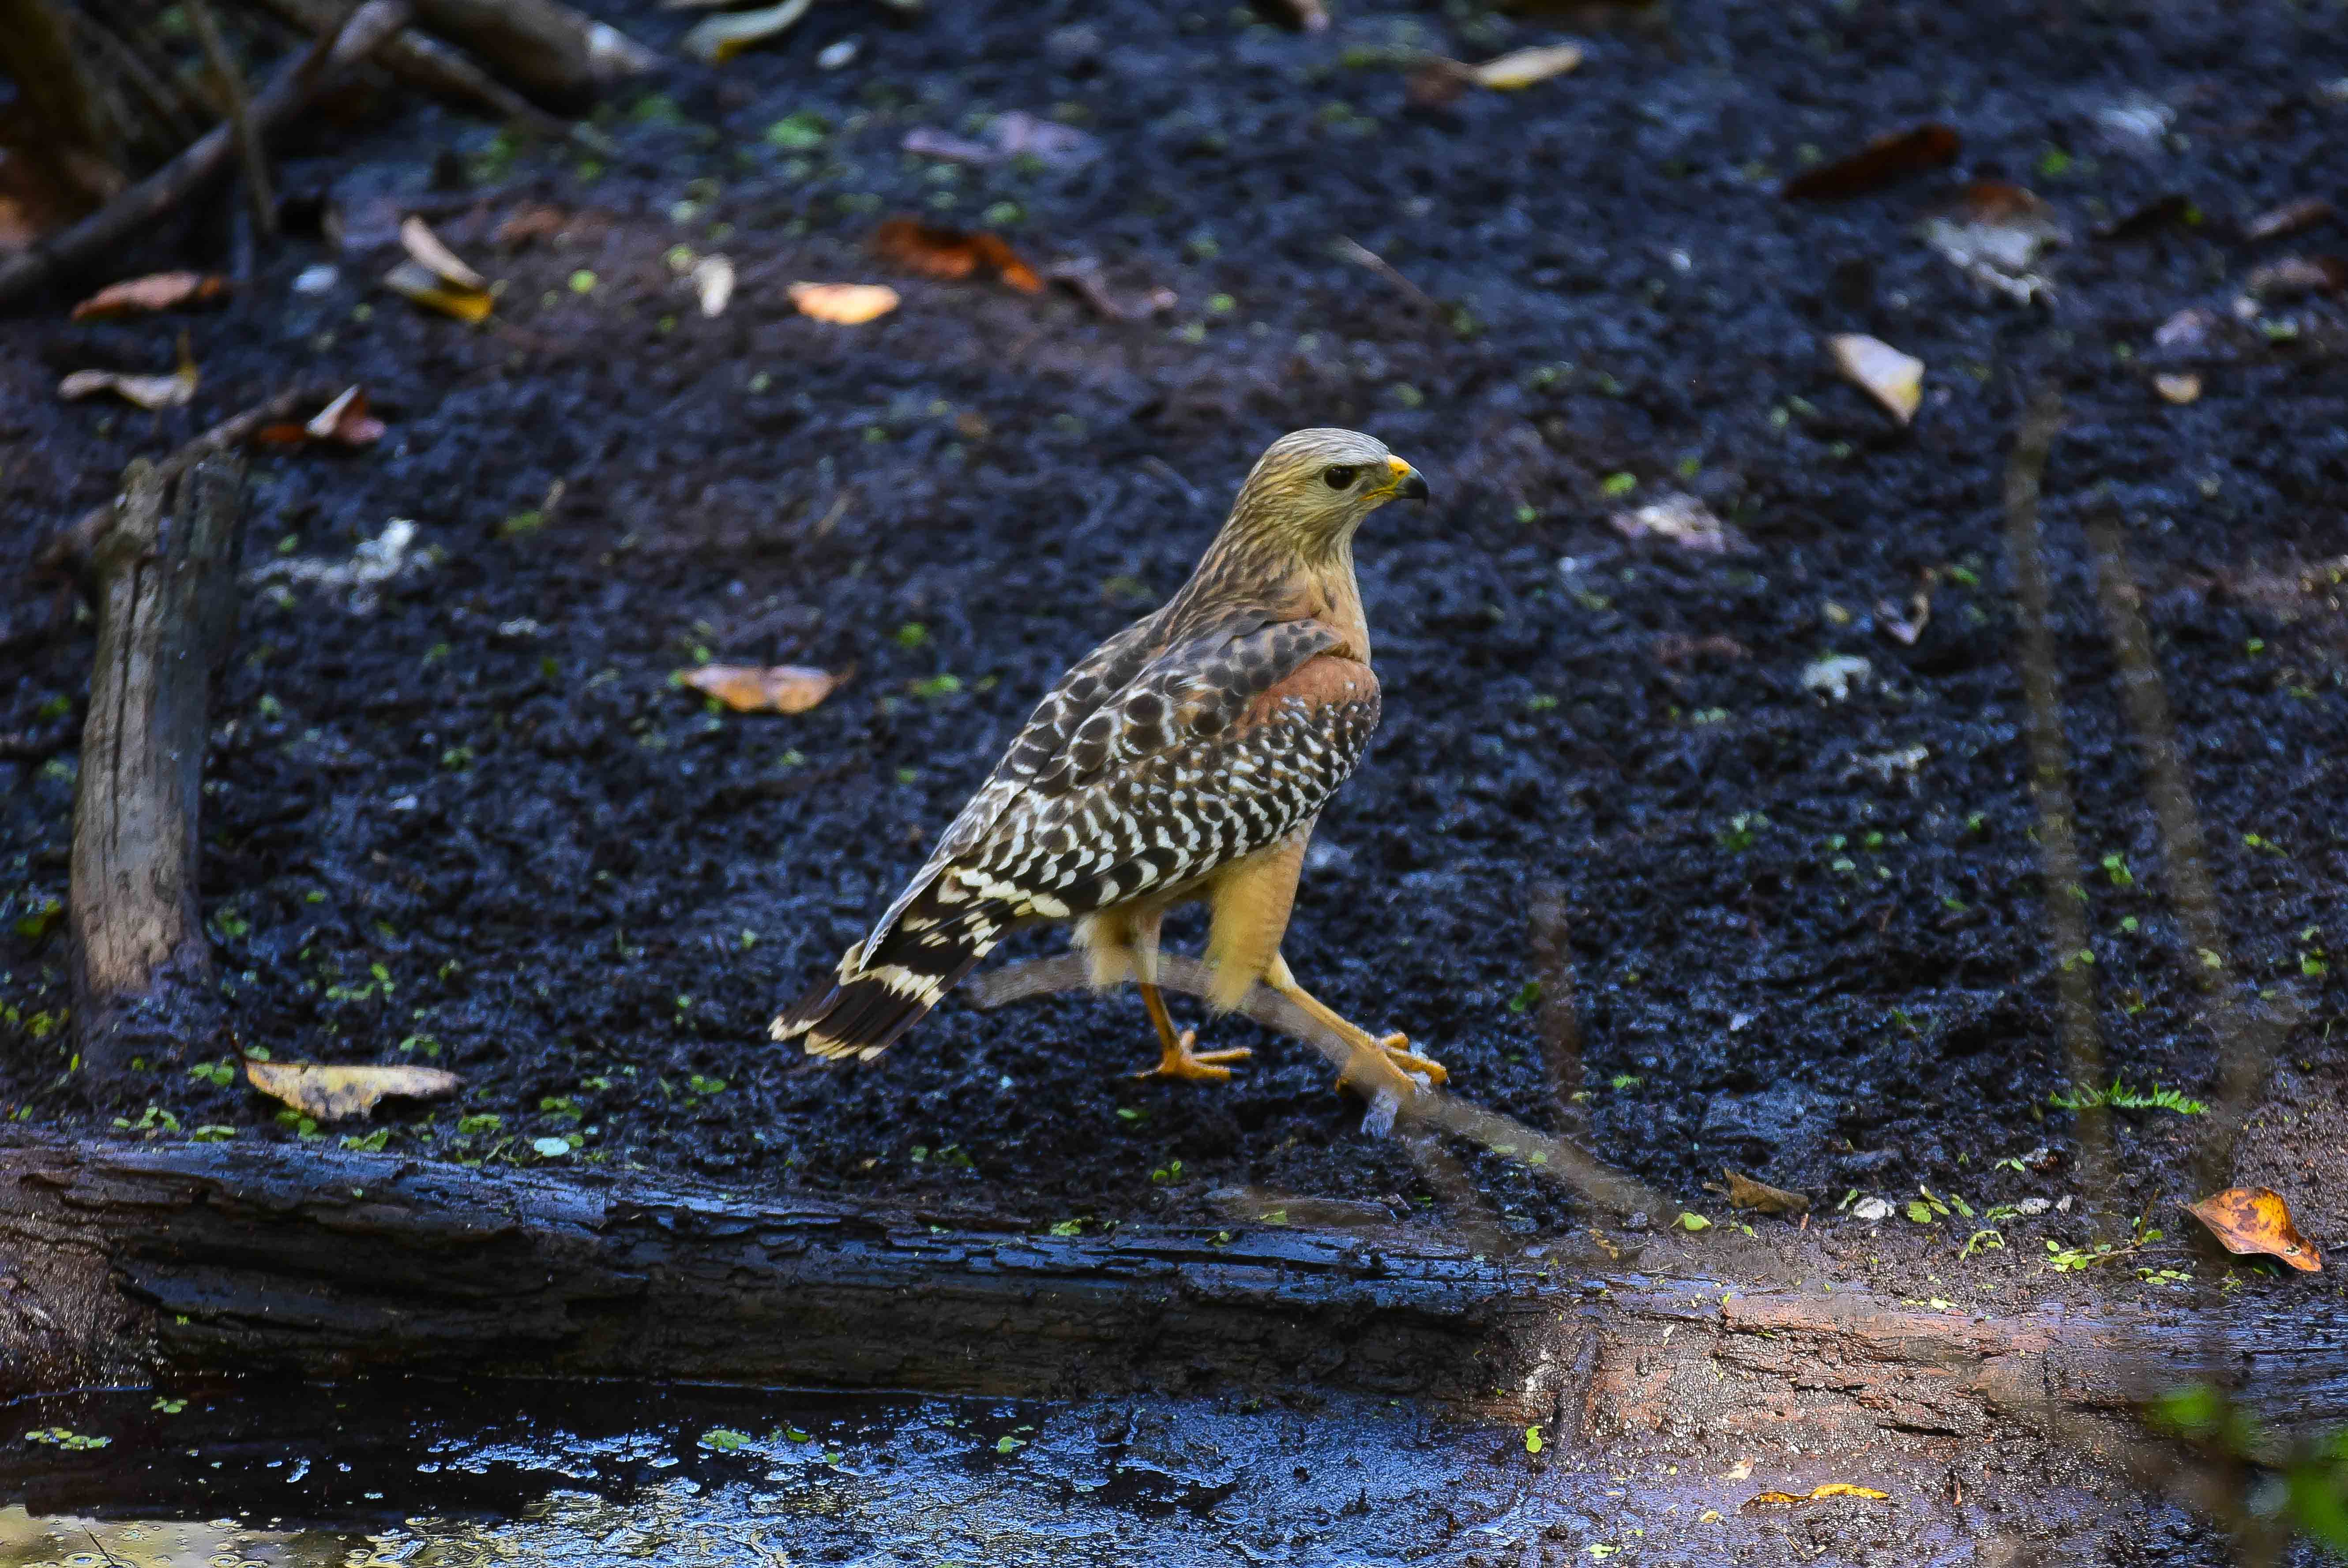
[166,574]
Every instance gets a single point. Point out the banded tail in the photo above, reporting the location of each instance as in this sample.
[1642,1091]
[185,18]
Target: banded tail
[921,956]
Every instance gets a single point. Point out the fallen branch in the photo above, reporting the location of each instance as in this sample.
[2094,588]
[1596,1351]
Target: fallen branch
[546,49]
[1554,1157]
[255,157]
[120,218]
[165,579]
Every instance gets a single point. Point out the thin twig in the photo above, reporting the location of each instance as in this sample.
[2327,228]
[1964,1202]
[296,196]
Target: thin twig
[2050,786]
[65,555]
[239,115]
[1559,1015]
[1554,1157]
[2246,1036]
[119,218]
[1362,255]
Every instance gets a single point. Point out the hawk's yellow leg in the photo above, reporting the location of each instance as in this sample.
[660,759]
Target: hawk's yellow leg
[1176,1058]
[1251,901]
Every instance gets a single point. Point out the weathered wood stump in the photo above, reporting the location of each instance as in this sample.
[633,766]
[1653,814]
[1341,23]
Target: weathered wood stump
[164,573]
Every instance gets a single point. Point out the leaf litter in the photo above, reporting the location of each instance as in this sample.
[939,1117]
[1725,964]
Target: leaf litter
[174,390]
[344,422]
[155,292]
[714,40]
[1891,157]
[1994,233]
[2256,1221]
[434,276]
[846,305]
[1682,520]
[934,250]
[332,1093]
[1892,379]
[774,688]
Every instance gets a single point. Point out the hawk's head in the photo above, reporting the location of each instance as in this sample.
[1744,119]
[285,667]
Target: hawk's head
[1312,488]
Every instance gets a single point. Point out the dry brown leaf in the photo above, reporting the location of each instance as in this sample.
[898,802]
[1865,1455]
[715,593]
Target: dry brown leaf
[2179,389]
[416,238]
[415,281]
[2256,1221]
[157,290]
[1894,379]
[1745,1193]
[2288,218]
[1878,164]
[1816,1494]
[850,304]
[935,251]
[775,688]
[169,391]
[333,1093]
[346,421]
[1521,68]
[712,283]
[534,223]
[2288,277]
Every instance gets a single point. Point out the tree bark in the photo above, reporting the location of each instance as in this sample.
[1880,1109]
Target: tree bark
[118,1260]
[166,574]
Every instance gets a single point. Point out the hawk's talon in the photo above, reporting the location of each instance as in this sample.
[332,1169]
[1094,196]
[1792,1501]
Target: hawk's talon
[1397,1047]
[1178,1060]
[1389,1064]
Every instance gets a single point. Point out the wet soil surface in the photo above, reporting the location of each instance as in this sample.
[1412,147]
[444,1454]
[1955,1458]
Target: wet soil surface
[465,818]
[438,1476]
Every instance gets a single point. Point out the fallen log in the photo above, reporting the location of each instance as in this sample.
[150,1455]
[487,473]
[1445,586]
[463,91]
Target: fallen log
[165,577]
[123,1261]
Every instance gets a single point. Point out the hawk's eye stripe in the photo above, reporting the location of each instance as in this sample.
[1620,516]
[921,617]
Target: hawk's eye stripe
[1337,476]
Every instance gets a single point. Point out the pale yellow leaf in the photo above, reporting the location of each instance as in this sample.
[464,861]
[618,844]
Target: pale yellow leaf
[715,40]
[849,304]
[2182,387]
[416,238]
[417,282]
[752,688]
[1523,67]
[332,1093]
[1894,379]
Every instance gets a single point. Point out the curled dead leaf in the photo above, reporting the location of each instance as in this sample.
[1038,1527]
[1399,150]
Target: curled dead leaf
[333,1093]
[2255,1221]
[424,246]
[1521,68]
[715,40]
[935,251]
[171,391]
[775,688]
[1816,1494]
[1892,379]
[1745,1193]
[157,290]
[1889,156]
[414,281]
[849,304]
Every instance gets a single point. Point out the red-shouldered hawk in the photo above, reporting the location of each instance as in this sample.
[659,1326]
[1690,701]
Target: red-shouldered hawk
[1186,758]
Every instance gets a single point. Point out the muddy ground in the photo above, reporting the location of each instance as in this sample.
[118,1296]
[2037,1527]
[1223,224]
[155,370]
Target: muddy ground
[468,819]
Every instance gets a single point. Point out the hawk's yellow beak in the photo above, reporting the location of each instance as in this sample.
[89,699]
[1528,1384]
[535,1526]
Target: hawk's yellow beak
[1407,483]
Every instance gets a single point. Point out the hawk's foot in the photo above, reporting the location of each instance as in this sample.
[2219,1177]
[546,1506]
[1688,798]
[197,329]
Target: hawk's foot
[1178,1060]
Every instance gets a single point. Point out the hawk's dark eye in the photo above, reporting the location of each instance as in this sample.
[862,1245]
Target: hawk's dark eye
[1337,476]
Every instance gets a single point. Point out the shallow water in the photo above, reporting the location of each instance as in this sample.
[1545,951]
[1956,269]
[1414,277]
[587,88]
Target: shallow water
[431,1475]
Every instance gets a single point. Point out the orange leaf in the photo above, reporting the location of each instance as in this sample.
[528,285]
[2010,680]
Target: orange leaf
[157,290]
[776,688]
[934,251]
[347,421]
[2255,1220]
[1878,164]
[850,304]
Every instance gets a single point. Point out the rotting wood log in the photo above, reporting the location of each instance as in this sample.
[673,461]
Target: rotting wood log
[549,51]
[122,1261]
[166,586]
